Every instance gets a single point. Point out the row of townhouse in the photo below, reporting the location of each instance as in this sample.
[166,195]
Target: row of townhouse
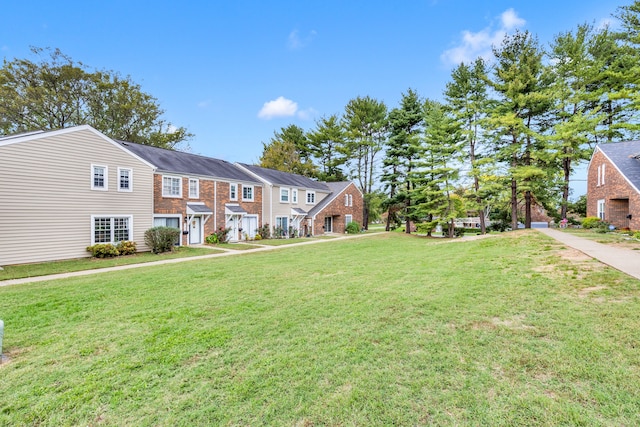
[64,190]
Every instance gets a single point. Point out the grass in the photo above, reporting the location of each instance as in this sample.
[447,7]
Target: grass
[383,330]
[611,238]
[45,268]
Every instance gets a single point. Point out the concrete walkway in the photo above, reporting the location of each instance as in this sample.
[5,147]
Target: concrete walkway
[226,252]
[625,260]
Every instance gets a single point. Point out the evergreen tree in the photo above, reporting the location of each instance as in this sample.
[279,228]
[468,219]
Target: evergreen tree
[403,149]
[365,124]
[327,143]
[518,118]
[468,103]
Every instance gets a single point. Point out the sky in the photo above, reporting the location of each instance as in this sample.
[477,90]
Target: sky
[235,72]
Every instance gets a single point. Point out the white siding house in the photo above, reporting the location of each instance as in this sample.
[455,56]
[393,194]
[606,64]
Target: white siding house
[64,190]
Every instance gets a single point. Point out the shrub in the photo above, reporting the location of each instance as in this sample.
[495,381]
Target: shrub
[424,227]
[161,239]
[103,250]
[636,235]
[265,231]
[352,228]
[127,247]
[591,222]
[211,239]
[258,237]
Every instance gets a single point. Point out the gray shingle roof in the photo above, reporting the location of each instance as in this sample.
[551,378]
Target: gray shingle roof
[186,163]
[199,208]
[284,178]
[336,188]
[623,155]
[235,209]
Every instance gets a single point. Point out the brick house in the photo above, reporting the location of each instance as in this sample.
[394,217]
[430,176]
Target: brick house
[613,183]
[201,194]
[304,206]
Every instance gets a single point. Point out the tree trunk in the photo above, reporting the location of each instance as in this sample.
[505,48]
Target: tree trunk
[514,204]
[527,209]
[566,167]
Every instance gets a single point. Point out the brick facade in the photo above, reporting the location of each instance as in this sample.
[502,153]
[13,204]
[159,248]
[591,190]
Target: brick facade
[214,194]
[338,210]
[620,198]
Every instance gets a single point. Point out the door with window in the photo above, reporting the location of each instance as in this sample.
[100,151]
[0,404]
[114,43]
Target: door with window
[195,230]
[249,226]
[328,224]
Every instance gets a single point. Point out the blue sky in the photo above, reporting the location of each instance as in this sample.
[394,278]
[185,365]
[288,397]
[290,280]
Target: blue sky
[234,72]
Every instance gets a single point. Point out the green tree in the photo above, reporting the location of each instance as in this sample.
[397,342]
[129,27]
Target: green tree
[365,124]
[57,92]
[283,152]
[327,144]
[576,112]
[403,149]
[468,102]
[518,118]
[437,172]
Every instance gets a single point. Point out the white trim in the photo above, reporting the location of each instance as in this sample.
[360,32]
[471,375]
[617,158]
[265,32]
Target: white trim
[288,190]
[180,223]
[105,187]
[180,187]
[111,216]
[126,190]
[601,209]
[231,197]
[197,194]
[306,199]
[614,165]
[252,193]
[347,219]
[294,195]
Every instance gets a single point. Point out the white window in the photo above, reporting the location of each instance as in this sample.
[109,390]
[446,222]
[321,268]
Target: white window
[110,229]
[601,169]
[350,200]
[284,195]
[311,197]
[294,195]
[125,179]
[233,191]
[348,219]
[247,193]
[194,188]
[282,226]
[601,209]
[346,200]
[171,186]
[99,177]
[173,222]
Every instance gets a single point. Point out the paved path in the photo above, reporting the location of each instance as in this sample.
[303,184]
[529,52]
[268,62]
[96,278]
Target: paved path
[226,252]
[625,260]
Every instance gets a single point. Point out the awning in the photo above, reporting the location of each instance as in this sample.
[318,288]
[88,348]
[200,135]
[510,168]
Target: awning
[234,210]
[298,212]
[193,209]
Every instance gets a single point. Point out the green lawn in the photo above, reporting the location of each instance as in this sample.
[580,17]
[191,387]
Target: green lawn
[614,237]
[45,268]
[383,330]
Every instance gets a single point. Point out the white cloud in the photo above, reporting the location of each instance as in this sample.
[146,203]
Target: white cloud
[204,104]
[280,107]
[478,44]
[511,20]
[295,41]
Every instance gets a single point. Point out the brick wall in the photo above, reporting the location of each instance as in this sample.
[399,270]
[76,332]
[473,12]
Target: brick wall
[214,194]
[337,210]
[619,196]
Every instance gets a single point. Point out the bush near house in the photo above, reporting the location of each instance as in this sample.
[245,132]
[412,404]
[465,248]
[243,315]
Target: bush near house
[352,228]
[161,239]
[103,250]
[127,247]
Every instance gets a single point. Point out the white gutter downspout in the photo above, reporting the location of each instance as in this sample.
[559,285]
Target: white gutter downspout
[215,206]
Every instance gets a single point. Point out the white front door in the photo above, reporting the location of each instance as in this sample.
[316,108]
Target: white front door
[234,224]
[249,225]
[195,230]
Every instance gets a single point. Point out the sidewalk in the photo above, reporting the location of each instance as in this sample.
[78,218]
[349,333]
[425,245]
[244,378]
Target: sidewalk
[625,260]
[227,252]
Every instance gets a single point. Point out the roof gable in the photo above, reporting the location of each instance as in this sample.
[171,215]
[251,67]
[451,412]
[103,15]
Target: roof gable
[280,178]
[624,156]
[336,189]
[188,164]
